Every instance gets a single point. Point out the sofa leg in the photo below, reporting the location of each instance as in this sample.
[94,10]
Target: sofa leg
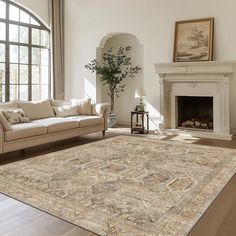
[103,133]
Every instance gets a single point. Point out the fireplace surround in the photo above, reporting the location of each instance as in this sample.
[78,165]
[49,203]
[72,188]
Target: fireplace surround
[197,80]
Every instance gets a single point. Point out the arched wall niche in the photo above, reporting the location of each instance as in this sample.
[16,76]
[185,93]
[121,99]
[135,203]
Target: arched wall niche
[126,101]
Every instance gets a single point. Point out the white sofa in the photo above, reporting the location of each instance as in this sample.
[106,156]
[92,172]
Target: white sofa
[46,126]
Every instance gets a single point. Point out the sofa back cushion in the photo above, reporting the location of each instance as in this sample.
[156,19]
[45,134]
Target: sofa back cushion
[9,106]
[59,102]
[84,106]
[16,116]
[37,110]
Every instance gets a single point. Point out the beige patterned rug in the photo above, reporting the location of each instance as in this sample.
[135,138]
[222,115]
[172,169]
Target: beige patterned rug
[126,186]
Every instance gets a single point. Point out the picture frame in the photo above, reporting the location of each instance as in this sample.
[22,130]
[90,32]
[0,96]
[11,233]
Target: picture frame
[194,40]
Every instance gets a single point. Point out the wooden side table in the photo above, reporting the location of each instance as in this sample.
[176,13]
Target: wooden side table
[138,121]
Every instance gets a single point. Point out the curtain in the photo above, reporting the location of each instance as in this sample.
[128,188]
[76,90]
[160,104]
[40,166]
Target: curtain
[56,14]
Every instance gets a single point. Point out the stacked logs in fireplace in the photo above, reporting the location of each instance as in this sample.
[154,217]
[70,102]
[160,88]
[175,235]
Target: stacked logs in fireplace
[197,123]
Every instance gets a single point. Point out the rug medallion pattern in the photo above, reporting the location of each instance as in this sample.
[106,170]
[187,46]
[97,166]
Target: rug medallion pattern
[123,186]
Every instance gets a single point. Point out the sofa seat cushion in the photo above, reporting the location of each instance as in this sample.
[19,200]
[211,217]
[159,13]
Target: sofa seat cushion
[85,121]
[56,124]
[24,130]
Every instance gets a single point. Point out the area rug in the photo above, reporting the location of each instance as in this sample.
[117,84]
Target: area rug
[126,186]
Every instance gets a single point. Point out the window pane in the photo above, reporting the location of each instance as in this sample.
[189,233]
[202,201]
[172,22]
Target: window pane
[39,92]
[2,9]
[35,36]
[24,17]
[44,57]
[35,56]
[24,71]
[35,92]
[13,33]
[2,52]
[24,55]
[23,92]
[33,21]
[13,53]
[2,93]
[14,13]
[2,73]
[13,74]
[44,91]
[24,34]
[13,92]
[44,75]
[2,31]
[35,75]
[44,38]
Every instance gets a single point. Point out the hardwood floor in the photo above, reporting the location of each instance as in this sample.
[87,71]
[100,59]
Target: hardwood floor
[19,219]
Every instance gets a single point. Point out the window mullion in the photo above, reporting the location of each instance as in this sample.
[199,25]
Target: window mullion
[7,56]
[30,66]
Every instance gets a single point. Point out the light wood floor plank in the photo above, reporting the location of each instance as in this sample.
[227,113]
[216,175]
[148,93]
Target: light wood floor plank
[5,204]
[2,197]
[44,232]
[76,231]
[12,211]
[29,228]
[31,214]
[60,227]
[11,224]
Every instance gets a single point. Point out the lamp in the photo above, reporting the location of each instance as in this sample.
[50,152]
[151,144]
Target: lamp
[140,93]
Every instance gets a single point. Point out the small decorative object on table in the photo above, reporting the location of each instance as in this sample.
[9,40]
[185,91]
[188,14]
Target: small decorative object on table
[138,120]
[140,93]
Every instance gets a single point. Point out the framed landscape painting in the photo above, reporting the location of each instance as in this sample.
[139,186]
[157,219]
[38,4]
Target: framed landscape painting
[194,40]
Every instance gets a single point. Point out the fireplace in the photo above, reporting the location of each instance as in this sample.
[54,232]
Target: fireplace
[193,95]
[194,112]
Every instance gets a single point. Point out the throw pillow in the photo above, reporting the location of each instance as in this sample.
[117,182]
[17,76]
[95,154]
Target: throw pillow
[16,116]
[84,106]
[5,124]
[64,111]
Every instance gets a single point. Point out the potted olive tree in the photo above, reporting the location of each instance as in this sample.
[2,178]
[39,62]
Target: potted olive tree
[113,70]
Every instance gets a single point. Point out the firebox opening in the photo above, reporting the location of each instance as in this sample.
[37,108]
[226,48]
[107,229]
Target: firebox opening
[195,112]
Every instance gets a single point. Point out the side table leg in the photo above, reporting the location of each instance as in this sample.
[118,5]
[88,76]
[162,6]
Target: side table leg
[143,123]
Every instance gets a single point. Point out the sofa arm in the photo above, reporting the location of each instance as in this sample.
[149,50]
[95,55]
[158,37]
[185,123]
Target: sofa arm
[101,109]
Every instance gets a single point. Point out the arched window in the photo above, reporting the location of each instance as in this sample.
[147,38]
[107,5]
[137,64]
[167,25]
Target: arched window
[24,55]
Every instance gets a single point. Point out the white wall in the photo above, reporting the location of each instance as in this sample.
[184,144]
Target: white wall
[152,22]
[38,7]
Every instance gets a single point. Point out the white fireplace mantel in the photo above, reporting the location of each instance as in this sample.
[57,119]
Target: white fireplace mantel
[196,79]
